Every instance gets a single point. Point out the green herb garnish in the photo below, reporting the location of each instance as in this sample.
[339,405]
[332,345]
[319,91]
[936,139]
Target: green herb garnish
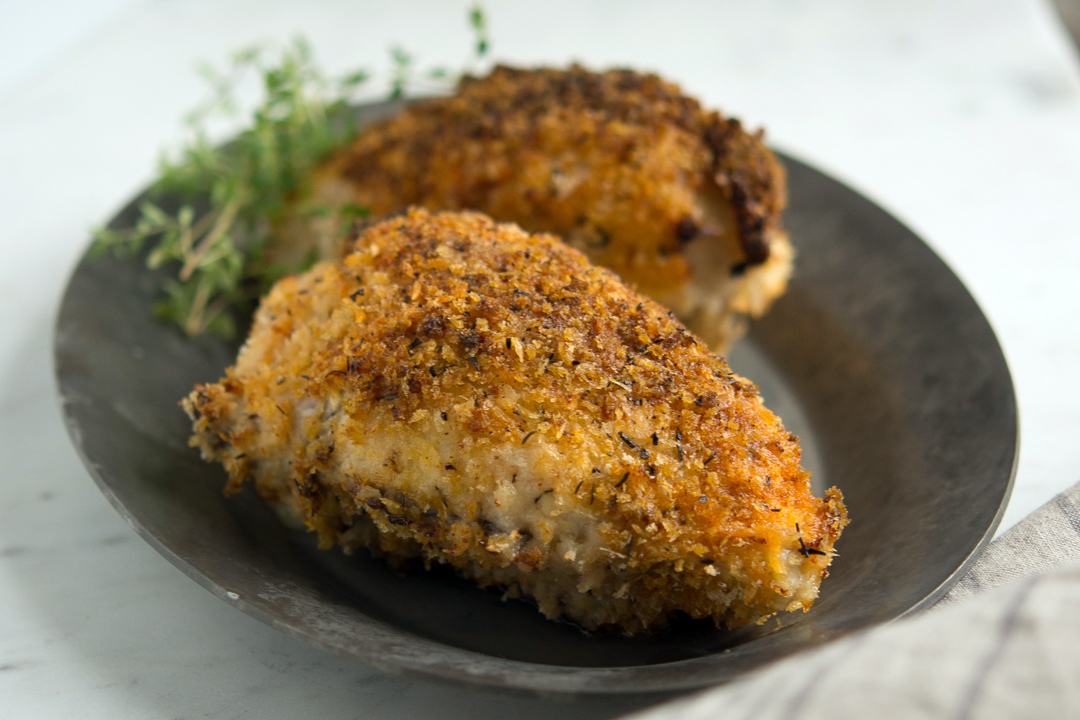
[230,196]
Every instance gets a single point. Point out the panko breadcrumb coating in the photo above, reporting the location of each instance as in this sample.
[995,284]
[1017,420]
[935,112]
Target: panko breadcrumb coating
[681,202]
[464,392]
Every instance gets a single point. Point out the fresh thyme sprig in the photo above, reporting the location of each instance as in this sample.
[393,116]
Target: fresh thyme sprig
[231,195]
[478,22]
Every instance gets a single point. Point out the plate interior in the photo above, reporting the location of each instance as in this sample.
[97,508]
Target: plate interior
[877,357]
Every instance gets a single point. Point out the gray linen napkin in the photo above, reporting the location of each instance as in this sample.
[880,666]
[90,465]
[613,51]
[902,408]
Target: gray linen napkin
[1043,541]
[1012,652]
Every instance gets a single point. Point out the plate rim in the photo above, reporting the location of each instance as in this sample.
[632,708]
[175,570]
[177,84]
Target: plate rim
[498,672]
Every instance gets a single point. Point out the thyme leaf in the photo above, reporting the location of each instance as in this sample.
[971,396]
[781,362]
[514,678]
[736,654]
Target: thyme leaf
[209,219]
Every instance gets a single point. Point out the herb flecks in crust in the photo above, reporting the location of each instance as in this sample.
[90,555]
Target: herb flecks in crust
[486,401]
[679,201]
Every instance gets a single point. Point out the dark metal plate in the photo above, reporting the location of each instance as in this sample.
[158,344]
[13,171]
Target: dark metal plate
[877,356]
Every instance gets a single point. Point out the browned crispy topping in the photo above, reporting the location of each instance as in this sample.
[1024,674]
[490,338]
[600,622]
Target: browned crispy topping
[521,346]
[508,118]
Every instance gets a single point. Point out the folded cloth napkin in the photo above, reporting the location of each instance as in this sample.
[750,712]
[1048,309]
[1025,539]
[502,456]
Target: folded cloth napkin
[1012,652]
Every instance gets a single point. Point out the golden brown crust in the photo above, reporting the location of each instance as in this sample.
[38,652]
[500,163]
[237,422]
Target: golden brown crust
[679,201]
[422,157]
[508,343]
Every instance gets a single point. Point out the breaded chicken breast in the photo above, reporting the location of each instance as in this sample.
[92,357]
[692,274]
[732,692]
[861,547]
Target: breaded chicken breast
[464,392]
[681,202]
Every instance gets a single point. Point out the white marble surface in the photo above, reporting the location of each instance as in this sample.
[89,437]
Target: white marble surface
[961,117]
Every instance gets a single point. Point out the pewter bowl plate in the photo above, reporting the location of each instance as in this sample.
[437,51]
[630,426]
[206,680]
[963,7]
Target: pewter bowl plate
[877,357]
